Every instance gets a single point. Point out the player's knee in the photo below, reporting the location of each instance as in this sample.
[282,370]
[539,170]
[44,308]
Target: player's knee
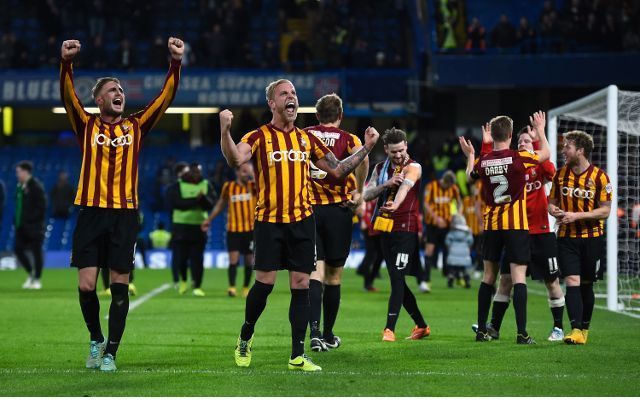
[317,275]
[299,281]
[336,262]
[119,277]
[266,277]
[504,290]
[333,276]
[489,277]
[87,286]
[552,284]
[505,283]
[572,280]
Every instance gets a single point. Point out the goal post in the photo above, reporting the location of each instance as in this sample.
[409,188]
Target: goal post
[612,117]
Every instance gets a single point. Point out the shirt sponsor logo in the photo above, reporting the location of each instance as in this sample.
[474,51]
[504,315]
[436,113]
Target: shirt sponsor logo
[577,192]
[240,197]
[496,162]
[284,155]
[533,186]
[442,200]
[103,140]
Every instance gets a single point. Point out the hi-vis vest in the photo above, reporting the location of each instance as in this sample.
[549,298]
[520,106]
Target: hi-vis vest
[194,216]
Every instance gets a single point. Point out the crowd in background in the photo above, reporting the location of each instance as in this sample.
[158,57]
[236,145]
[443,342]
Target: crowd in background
[275,34]
[574,26]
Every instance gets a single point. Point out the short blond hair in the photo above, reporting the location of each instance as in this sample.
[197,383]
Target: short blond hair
[271,88]
[100,83]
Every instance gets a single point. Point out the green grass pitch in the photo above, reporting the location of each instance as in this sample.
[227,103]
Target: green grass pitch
[183,346]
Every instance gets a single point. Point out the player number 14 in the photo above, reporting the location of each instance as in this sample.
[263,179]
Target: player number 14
[402,259]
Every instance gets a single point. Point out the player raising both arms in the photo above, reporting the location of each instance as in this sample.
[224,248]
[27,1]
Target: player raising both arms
[107,226]
[284,231]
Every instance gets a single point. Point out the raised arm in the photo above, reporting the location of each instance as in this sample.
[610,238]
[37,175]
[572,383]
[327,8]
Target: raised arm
[235,154]
[361,176]
[538,121]
[469,152]
[340,169]
[152,113]
[412,175]
[75,111]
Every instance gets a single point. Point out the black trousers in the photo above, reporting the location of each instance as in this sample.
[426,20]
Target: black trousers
[28,248]
[370,266]
[188,243]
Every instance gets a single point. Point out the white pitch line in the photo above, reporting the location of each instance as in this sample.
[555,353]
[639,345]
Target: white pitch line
[599,307]
[137,302]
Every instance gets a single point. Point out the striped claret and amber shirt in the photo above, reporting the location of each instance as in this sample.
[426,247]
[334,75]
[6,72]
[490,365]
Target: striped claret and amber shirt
[109,174]
[241,205]
[581,193]
[281,164]
[439,201]
[469,209]
[503,175]
[324,188]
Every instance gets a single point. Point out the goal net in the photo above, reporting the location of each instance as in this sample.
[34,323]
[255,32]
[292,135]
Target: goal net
[612,117]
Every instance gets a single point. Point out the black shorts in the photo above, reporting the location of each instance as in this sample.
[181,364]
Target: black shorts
[581,256]
[106,238]
[334,225]
[240,241]
[399,250]
[544,263]
[436,235]
[290,246]
[514,242]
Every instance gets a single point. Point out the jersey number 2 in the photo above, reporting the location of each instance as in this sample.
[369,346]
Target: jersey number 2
[498,193]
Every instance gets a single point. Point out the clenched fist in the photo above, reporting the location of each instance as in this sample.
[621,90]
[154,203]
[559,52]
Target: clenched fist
[176,48]
[226,117]
[371,136]
[69,49]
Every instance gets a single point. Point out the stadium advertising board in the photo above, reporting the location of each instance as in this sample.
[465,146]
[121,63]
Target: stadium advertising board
[196,88]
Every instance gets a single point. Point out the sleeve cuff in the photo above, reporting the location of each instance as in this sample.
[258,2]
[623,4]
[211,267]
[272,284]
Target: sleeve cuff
[486,148]
[175,63]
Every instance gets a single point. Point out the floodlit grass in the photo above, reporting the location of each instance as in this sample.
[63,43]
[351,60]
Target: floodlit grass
[183,346]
